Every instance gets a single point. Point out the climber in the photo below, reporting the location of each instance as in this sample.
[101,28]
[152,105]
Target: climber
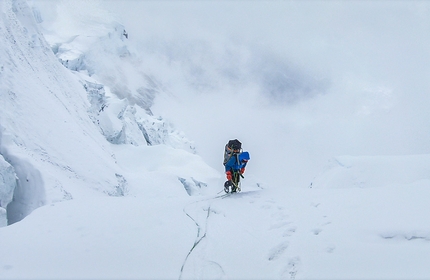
[235,161]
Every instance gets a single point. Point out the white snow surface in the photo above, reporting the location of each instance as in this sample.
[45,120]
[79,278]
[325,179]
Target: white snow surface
[105,188]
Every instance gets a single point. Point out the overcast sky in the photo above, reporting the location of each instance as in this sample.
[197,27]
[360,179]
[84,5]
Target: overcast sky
[363,36]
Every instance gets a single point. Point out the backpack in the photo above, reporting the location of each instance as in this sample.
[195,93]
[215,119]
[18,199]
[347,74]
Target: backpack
[230,148]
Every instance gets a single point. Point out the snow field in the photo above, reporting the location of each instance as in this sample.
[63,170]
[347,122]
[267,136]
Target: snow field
[158,231]
[102,238]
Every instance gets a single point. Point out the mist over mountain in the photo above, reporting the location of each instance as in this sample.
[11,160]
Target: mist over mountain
[333,63]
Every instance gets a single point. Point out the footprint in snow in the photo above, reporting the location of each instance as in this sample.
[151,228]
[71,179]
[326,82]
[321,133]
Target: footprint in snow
[277,251]
[292,268]
[289,232]
[330,249]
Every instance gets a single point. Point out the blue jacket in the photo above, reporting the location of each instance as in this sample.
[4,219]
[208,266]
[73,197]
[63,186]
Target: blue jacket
[236,162]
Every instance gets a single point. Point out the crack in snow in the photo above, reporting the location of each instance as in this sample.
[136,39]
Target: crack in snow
[197,241]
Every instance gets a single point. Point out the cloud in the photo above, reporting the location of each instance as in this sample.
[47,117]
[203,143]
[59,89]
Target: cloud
[350,76]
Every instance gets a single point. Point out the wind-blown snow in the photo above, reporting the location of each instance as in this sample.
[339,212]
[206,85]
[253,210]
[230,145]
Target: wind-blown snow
[97,179]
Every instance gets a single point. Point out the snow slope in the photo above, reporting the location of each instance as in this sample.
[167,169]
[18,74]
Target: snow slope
[311,233]
[51,109]
[109,201]
[44,117]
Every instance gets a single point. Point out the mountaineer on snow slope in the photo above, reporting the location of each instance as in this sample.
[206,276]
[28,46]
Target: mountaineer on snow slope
[235,162]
